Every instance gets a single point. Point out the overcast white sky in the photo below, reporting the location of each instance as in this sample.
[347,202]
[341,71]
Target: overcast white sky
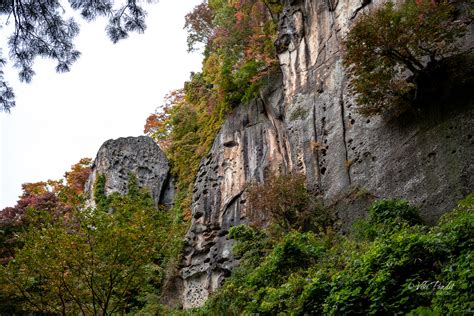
[110,91]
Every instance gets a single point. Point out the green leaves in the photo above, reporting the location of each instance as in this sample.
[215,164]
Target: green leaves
[92,261]
[392,212]
[410,269]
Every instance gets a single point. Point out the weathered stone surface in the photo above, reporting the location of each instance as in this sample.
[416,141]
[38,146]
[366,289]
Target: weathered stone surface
[139,155]
[425,158]
[309,124]
[247,147]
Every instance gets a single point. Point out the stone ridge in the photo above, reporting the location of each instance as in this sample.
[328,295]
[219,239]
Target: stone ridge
[116,158]
[424,158]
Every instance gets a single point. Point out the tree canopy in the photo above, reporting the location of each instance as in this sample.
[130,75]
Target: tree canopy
[45,29]
[58,256]
[391,49]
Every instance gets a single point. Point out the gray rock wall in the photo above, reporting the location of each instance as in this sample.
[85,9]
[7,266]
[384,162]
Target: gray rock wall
[116,158]
[425,158]
[307,122]
[247,147]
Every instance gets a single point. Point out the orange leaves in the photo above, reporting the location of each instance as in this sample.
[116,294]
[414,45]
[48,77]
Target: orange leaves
[151,124]
[35,188]
[239,16]
[159,124]
[77,177]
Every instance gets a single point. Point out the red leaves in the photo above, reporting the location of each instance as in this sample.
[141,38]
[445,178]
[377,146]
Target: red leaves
[199,25]
[51,196]
[158,125]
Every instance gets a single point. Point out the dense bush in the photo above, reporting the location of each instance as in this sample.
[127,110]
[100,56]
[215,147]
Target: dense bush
[386,215]
[392,49]
[412,269]
[256,286]
[284,201]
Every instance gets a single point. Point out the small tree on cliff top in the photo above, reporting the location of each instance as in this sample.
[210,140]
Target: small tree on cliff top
[391,47]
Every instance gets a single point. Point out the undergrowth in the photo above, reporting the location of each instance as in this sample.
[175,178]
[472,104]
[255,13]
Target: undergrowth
[390,264]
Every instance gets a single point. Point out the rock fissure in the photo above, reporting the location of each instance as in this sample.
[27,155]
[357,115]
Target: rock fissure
[348,163]
[316,149]
[364,3]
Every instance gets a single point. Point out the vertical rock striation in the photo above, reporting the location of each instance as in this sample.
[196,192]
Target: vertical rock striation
[307,122]
[425,159]
[248,146]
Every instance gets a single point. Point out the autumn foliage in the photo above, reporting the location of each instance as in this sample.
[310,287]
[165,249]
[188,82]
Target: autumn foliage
[237,40]
[77,177]
[284,200]
[51,196]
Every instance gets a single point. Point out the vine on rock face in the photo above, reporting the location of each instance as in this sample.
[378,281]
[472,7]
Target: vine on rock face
[391,49]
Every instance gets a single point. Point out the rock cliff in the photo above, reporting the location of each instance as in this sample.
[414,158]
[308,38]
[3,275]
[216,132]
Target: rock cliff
[139,155]
[306,121]
[248,145]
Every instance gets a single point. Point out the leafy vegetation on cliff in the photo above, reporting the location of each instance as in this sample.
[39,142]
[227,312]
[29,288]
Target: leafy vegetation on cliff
[390,264]
[393,49]
[61,257]
[237,38]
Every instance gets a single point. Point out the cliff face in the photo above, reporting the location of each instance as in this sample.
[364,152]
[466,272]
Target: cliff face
[307,122]
[248,146]
[424,159]
[141,156]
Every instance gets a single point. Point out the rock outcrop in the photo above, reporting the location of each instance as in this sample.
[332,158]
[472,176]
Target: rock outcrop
[307,122]
[248,146]
[140,156]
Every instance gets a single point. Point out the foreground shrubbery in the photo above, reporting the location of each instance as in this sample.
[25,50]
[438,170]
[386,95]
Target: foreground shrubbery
[106,260]
[390,265]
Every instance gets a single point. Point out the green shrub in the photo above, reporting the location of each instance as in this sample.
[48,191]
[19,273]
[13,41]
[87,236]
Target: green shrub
[393,212]
[385,216]
[406,269]
[413,270]
[100,197]
[251,244]
[296,251]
